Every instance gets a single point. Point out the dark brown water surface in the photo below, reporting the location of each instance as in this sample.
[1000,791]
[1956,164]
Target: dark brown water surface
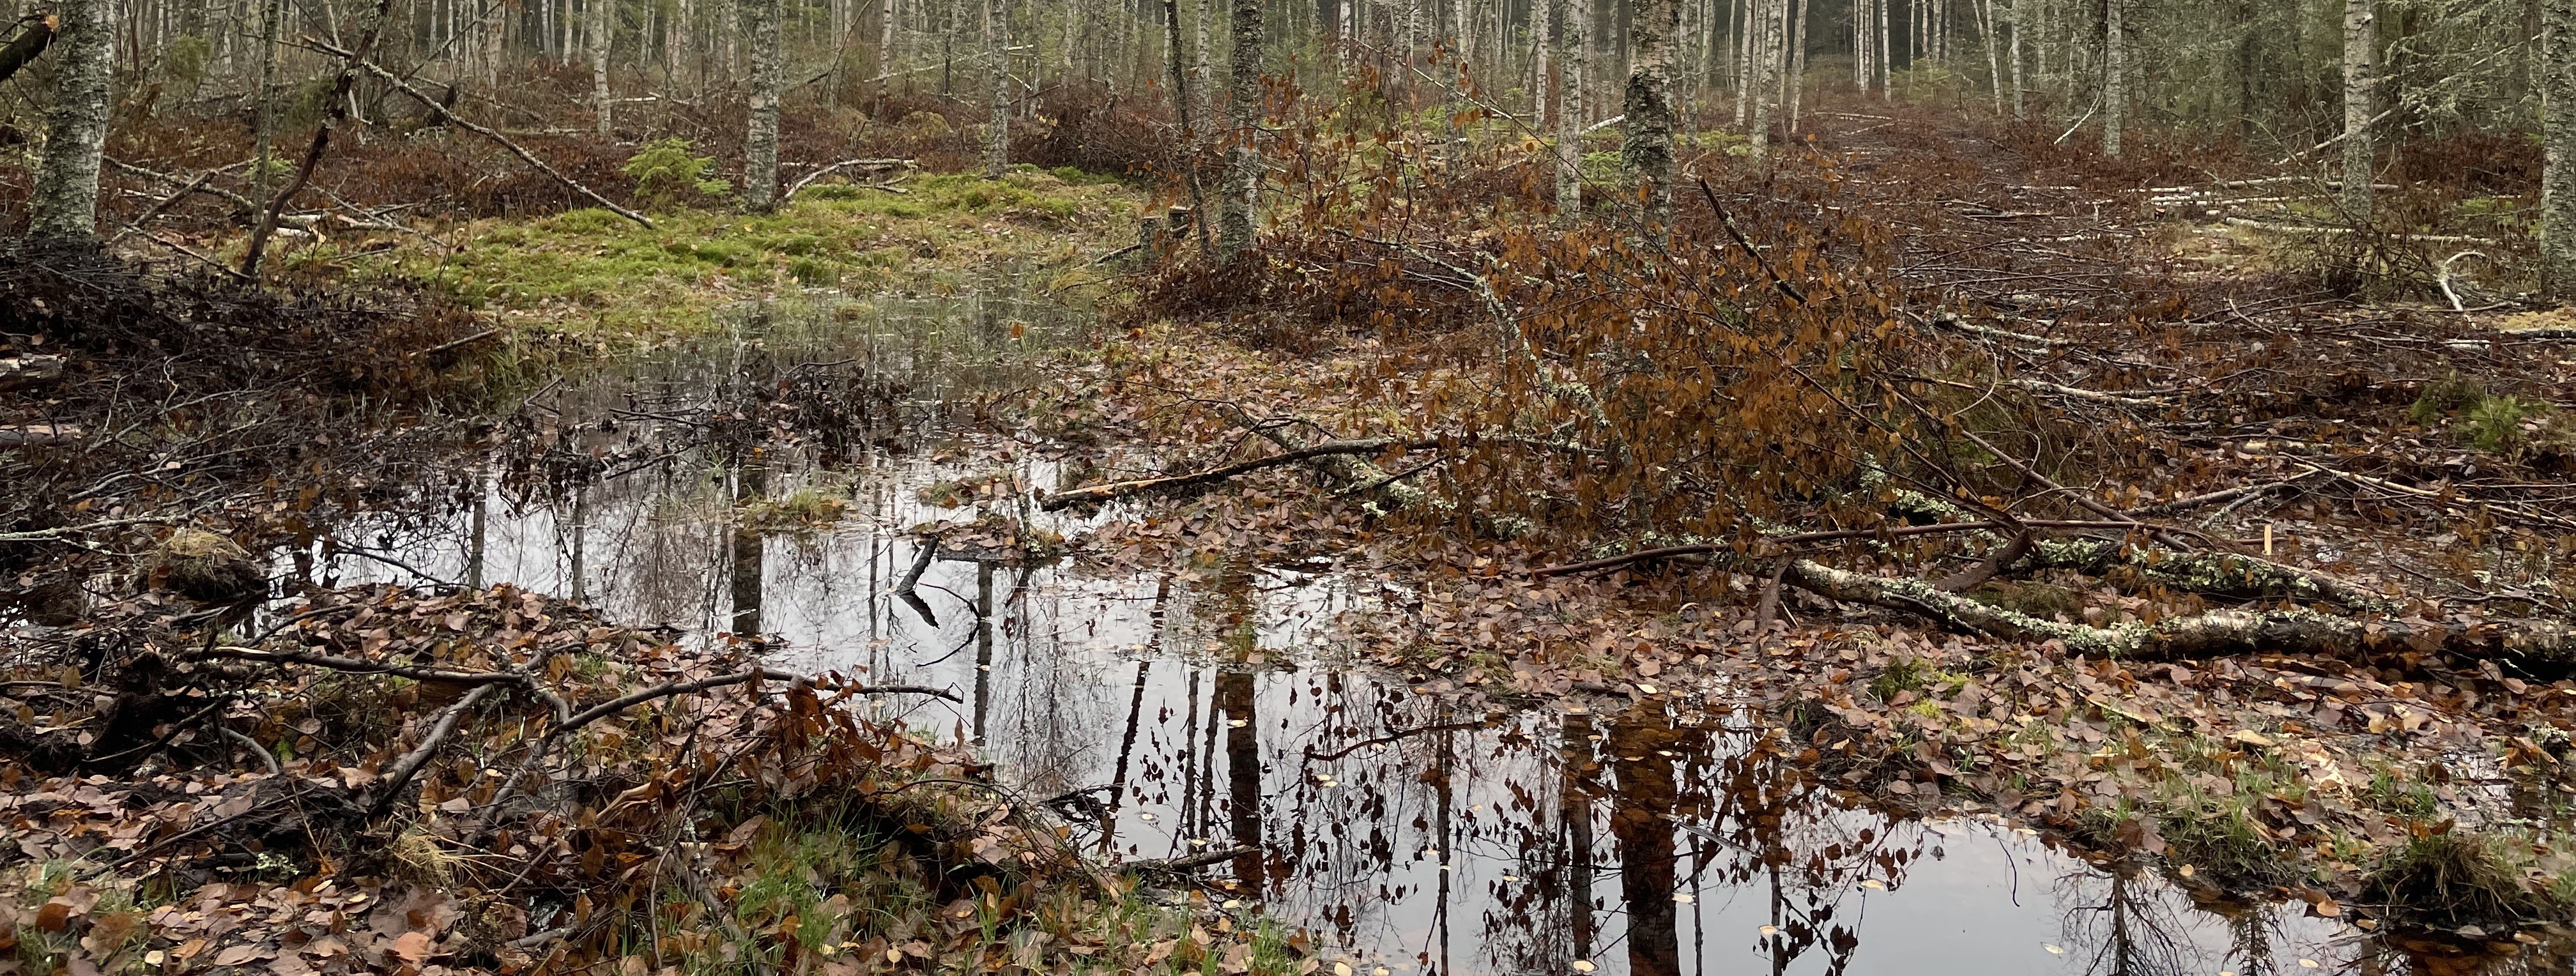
[1189,709]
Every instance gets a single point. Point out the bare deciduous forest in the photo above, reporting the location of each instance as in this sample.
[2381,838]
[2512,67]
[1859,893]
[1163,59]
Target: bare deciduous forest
[1269,488]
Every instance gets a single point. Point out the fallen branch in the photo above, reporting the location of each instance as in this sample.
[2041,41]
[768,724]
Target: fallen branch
[808,179]
[400,773]
[1179,865]
[2542,646]
[451,118]
[18,371]
[1809,538]
[1098,494]
[39,435]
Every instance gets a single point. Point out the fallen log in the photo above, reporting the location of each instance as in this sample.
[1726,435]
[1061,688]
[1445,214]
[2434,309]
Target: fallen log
[1112,491]
[2538,646]
[39,435]
[19,371]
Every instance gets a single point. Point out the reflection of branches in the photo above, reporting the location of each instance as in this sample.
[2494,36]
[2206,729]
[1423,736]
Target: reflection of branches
[2132,927]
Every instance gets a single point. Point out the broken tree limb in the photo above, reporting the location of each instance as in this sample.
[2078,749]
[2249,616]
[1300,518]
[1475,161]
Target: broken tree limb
[2225,574]
[809,178]
[39,435]
[451,118]
[1112,491]
[2541,646]
[1808,538]
[29,43]
[1182,865]
[18,371]
[400,773]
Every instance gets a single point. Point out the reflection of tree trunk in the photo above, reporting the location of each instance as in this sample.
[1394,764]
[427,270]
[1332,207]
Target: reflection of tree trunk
[580,545]
[751,482]
[474,541]
[1645,839]
[983,646]
[1126,750]
[1243,774]
[1443,769]
[1575,803]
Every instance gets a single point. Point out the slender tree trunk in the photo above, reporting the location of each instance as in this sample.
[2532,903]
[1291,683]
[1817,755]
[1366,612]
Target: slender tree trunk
[1886,58]
[2558,170]
[1994,56]
[1798,61]
[1747,56]
[2360,36]
[1189,127]
[1242,202]
[1764,60]
[263,112]
[885,57]
[1570,109]
[1646,142]
[2115,77]
[760,145]
[997,132]
[603,20]
[64,202]
[2012,16]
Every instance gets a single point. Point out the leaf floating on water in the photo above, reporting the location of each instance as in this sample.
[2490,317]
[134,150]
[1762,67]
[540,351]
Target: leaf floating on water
[2307,964]
[1583,965]
[1341,969]
[1874,884]
[1770,930]
[2054,950]
[1683,898]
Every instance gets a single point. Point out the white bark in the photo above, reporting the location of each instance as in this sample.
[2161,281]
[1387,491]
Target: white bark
[603,14]
[1570,59]
[1646,140]
[997,125]
[2115,77]
[64,201]
[760,153]
[1240,208]
[2360,29]
[2558,170]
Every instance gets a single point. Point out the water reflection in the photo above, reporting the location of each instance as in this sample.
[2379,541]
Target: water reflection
[1195,710]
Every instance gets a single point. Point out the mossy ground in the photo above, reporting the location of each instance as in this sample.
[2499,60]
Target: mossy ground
[592,272]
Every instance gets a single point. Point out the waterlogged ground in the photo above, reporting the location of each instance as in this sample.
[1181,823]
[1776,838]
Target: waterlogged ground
[1205,708]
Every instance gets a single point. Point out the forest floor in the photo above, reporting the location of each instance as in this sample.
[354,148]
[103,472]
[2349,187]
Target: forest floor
[2111,334]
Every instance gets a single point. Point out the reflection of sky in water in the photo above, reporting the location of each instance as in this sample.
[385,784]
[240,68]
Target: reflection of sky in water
[1410,831]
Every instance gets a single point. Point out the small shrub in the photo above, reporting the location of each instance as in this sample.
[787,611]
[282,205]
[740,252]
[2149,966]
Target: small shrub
[2449,879]
[2443,397]
[669,175]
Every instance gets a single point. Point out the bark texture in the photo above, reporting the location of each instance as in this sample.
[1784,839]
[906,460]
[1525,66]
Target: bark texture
[2359,32]
[1243,158]
[603,16]
[1765,51]
[64,202]
[997,132]
[2115,76]
[1570,66]
[760,151]
[2558,174]
[1647,135]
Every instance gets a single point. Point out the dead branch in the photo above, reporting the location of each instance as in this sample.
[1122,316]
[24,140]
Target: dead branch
[1809,538]
[451,118]
[2541,646]
[1985,569]
[1097,494]
[29,43]
[868,164]
[1180,865]
[18,371]
[616,705]
[400,773]
[39,435]
[363,666]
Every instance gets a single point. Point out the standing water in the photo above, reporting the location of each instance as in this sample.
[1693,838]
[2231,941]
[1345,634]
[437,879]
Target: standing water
[763,484]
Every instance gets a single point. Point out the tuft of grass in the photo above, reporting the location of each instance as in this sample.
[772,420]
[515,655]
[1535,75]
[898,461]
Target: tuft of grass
[2448,879]
[1902,675]
[805,508]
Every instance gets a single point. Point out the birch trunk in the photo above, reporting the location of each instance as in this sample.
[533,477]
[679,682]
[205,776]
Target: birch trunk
[885,56]
[1886,58]
[2359,35]
[1994,62]
[603,13]
[2558,172]
[1760,85]
[1571,43]
[1646,142]
[2115,77]
[2012,16]
[1241,206]
[997,124]
[760,152]
[1797,61]
[64,201]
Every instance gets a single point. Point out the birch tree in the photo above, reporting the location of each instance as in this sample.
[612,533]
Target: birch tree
[64,201]
[997,132]
[1646,142]
[2359,37]
[760,151]
[1570,66]
[1243,158]
[603,14]
[2558,128]
[2115,76]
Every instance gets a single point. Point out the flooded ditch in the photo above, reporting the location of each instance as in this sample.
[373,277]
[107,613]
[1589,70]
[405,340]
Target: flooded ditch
[1204,709]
